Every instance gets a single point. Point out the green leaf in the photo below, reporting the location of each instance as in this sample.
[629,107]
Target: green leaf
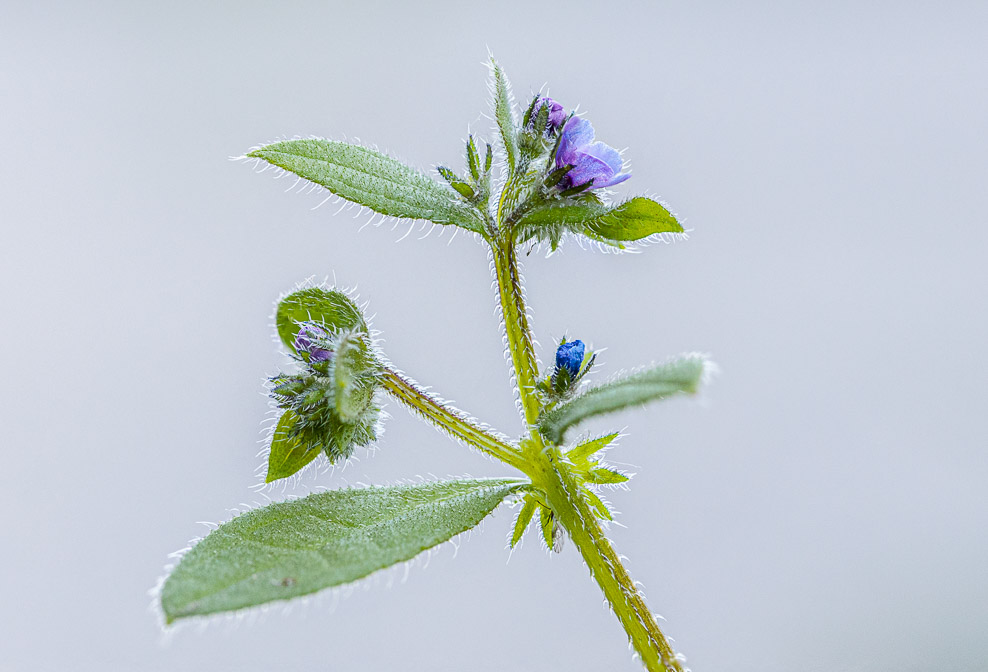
[331,308]
[462,188]
[585,450]
[288,453]
[504,115]
[605,476]
[524,518]
[371,179]
[632,220]
[473,159]
[679,376]
[294,548]
[597,504]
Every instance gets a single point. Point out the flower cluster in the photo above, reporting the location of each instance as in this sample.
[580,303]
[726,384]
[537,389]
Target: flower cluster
[591,164]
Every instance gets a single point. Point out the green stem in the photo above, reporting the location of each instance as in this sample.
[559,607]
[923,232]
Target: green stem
[516,327]
[562,491]
[574,514]
[459,426]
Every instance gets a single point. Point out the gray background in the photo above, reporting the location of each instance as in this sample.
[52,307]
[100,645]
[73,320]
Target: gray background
[821,508]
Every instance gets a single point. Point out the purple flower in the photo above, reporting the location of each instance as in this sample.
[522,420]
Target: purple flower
[569,356]
[557,115]
[305,341]
[590,160]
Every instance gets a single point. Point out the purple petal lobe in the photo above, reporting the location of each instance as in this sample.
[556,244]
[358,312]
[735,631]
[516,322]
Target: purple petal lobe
[590,160]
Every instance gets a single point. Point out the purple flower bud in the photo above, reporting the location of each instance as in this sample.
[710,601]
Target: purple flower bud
[305,342]
[590,160]
[569,356]
[557,115]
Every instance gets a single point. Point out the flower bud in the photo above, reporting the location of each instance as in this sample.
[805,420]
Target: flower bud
[557,114]
[569,357]
[308,339]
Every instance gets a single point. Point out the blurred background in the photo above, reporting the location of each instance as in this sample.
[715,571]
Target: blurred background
[822,507]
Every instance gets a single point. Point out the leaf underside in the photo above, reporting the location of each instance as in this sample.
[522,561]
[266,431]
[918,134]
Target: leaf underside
[294,548]
[372,179]
[679,376]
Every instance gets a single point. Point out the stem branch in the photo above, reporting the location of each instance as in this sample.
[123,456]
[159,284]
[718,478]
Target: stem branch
[445,418]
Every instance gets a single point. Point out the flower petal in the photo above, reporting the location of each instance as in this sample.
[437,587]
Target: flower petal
[605,153]
[576,134]
[586,168]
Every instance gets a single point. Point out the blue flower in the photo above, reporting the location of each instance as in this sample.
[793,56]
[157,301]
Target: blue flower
[305,341]
[569,356]
[590,160]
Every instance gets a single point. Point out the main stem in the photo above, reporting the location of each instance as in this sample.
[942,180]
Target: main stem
[563,493]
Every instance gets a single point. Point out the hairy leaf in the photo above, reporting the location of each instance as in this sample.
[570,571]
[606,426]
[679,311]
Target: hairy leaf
[504,116]
[681,375]
[288,453]
[605,476]
[585,450]
[329,307]
[371,179]
[298,547]
[600,509]
[524,518]
[632,220]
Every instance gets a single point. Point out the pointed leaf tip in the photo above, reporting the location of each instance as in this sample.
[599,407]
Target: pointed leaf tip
[371,179]
[297,547]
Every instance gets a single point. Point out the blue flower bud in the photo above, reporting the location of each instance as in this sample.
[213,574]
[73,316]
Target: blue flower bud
[569,356]
[305,341]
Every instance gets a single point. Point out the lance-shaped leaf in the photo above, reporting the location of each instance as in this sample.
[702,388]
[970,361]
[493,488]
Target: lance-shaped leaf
[504,115]
[289,454]
[632,220]
[328,307]
[679,376]
[294,548]
[369,178]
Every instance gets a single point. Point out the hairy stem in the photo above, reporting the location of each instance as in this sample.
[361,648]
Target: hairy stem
[563,493]
[627,602]
[516,328]
[445,418]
